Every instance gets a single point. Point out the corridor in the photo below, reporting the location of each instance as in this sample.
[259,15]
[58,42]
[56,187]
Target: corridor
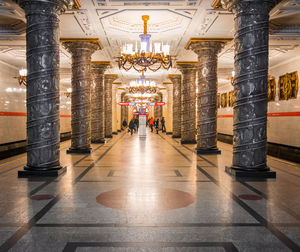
[151,194]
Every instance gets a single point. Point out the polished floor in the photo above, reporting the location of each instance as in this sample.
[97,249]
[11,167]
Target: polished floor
[150,194]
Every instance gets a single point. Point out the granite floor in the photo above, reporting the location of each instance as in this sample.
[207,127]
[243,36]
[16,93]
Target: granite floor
[150,194]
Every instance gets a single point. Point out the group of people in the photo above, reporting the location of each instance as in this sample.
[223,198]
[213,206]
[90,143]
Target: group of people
[151,122]
[154,123]
[133,125]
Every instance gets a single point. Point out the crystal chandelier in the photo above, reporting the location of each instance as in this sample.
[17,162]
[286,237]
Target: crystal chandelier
[147,55]
[142,86]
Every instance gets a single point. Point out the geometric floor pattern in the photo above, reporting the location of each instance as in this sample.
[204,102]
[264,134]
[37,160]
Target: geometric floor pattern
[150,194]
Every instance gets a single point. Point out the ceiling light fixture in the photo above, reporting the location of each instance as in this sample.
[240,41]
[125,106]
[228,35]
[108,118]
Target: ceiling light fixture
[142,86]
[146,56]
[22,79]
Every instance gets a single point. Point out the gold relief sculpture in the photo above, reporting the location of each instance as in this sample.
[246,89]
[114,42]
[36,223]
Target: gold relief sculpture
[224,100]
[288,86]
[271,88]
[230,98]
[219,101]
[293,78]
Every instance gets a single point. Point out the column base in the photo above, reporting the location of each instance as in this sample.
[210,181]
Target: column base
[99,141]
[208,151]
[176,136]
[119,130]
[238,173]
[188,142]
[109,136]
[30,172]
[115,133]
[79,151]
[169,133]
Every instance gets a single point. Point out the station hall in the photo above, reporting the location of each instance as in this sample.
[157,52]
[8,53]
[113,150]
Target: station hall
[149,125]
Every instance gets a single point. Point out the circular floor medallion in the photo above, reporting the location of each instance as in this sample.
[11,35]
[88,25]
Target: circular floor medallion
[250,197]
[145,199]
[42,197]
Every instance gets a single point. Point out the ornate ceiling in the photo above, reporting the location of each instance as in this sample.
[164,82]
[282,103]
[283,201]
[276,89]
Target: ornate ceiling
[174,22]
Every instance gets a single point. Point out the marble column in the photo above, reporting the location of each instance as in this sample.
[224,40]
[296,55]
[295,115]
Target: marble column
[207,51]
[97,101]
[176,122]
[43,126]
[115,119]
[123,108]
[156,108]
[188,101]
[81,51]
[250,88]
[108,80]
[169,109]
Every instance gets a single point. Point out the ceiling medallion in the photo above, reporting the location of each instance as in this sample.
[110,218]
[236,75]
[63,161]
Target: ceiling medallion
[145,57]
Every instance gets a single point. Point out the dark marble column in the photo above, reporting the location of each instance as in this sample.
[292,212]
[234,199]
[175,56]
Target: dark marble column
[123,108]
[108,80]
[176,80]
[156,108]
[250,88]
[43,126]
[207,51]
[188,101]
[81,51]
[97,101]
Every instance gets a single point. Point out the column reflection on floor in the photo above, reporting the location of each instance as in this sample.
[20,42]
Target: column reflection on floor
[153,194]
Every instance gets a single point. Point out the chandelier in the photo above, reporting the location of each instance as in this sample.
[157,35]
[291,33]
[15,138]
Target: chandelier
[146,56]
[142,86]
[22,77]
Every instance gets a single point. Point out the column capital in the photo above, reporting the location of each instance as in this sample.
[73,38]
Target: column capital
[73,45]
[249,6]
[184,66]
[110,77]
[198,45]
[174,77]
[58,5]
[99,67]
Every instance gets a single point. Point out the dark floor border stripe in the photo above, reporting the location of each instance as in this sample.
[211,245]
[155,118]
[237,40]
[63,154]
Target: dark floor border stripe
[10,242]
[160,225]
[276,232]
[227,246]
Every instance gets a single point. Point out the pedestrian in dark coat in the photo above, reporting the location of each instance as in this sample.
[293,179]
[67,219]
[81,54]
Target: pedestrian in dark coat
[157,125]
[131,126]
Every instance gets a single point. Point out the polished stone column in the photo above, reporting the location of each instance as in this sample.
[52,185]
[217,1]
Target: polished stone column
[156,108]
[97,101]
[168,110]
[188,101]
[123,108]
[115,118]
[250,88]
[43,126]
[207,51]
[176,80]
[108,80]
[81,51]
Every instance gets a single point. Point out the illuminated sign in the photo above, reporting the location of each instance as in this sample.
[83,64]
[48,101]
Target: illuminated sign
[124,103]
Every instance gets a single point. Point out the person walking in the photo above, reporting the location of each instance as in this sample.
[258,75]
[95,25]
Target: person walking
[124,124]
[136,121]
[131,126]
[163,126]
[157,125]
[151,123]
